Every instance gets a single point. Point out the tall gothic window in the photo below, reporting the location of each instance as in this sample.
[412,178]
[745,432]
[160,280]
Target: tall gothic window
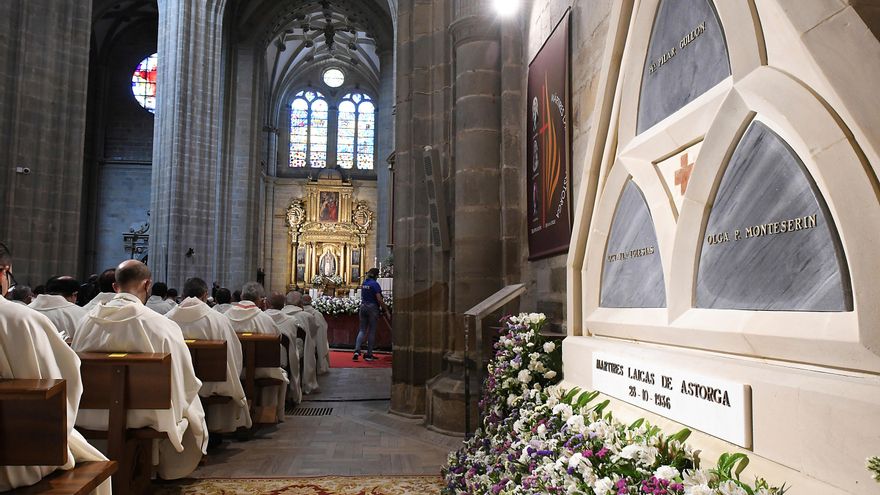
[356,136]
[308,130]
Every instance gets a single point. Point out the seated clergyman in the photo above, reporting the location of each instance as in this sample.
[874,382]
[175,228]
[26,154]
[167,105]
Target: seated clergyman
[31,348]
[198,321]
[59,305]
[124,324]
[247,316]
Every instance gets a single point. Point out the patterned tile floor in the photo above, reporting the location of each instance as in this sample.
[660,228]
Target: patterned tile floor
[360,437]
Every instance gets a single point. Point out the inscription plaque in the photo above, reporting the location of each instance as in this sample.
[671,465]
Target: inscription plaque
[687,56]
[632,275]
[718,407]
[770,242]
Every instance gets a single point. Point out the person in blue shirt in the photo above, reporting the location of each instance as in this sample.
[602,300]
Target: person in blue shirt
[372,305]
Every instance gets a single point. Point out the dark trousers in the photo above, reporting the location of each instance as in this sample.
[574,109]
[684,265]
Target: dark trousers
[369,314]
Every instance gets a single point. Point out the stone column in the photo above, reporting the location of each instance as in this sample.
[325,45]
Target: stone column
[421,290]
[476,235]
[186,151]
[44,62]
[384,147]
[240,188]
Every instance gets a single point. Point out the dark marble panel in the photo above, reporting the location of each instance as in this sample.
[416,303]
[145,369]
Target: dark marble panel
[632,275]
[687,56]
[771,243]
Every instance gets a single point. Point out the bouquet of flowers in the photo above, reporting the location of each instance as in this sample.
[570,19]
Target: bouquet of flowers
[336,306]
[536,437]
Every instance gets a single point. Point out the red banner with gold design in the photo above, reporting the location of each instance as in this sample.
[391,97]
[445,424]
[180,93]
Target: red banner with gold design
[548,166]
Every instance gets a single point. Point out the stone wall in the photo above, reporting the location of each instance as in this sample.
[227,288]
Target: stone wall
[44,56]
[546,278]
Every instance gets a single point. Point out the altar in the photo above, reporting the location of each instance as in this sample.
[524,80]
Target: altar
[328,231]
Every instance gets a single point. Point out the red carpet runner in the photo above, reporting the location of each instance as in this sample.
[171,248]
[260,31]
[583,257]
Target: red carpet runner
[342,359]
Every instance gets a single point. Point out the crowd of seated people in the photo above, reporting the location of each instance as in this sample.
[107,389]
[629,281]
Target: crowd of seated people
[123,310]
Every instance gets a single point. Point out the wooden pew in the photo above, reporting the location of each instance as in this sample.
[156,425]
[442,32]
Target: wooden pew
[209,362]
[33,432]
[120,382]
[259,351]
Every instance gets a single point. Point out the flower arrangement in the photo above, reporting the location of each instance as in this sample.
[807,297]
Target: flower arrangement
[336,306]
[536,437]
[873,465]
[321,280]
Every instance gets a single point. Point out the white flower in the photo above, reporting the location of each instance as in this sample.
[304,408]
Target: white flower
[699,490]
[524,376]
[563,410]
[542,430]
[603,486]
[549,347]
[730,488]
[550,375]
[576,423]
[695,477]
[575,460]
[511,399]
[631,451]
[666,472]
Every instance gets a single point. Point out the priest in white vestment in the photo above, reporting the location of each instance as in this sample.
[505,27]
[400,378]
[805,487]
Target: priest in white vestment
[322,343]
[125,325]
[198,321]
[157,301]
[247,316]
[307,322]
[288,326]
[31,348]
[105,285]
[21,294]
[59,305]
[223,300]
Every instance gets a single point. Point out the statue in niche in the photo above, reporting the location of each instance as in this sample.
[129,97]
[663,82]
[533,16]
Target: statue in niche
[328,264]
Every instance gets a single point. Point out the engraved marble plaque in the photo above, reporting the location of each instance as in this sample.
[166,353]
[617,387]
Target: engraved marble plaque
[632,275]
[687,56]
[770,242]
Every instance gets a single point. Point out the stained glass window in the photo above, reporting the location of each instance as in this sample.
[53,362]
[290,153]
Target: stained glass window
[308,130]
[357,133]
[143,83]
[346,134]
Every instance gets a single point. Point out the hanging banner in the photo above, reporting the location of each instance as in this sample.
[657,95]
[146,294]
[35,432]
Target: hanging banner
[548,160]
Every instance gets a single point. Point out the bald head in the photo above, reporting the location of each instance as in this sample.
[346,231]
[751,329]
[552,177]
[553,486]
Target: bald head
[294,298]
[133,277]
[276,301]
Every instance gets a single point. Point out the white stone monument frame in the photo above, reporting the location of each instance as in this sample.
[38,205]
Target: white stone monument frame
[808,71]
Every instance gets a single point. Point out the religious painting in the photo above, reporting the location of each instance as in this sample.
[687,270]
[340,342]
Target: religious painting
[548,168]
[301,273]
[301,256]
[355,274]
[327,265]
[355,257]
[328,207]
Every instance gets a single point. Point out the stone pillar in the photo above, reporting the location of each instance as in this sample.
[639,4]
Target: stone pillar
[421,290]
[384,147]
[476,239]
[513,214]
[186,151]
[44,62]
[238,199]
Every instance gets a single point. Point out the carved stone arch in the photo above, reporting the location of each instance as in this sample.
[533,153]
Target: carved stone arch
[745,49]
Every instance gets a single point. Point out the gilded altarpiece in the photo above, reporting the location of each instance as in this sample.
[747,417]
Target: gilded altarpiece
[328,231]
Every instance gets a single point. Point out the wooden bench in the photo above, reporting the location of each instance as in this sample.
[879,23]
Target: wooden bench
[120,382]
[209,362]
[259,351]
[33,432]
